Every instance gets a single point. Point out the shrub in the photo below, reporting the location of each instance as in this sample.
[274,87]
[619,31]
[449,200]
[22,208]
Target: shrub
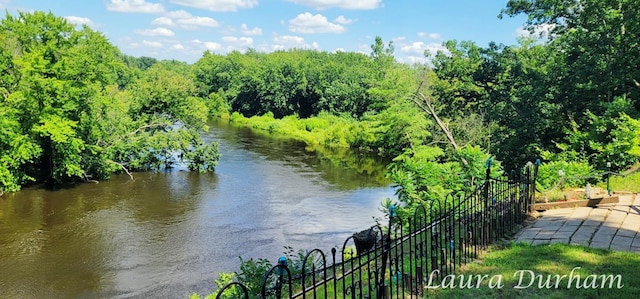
[560,174]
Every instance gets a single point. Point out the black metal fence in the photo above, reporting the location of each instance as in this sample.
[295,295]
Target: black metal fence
[402,259]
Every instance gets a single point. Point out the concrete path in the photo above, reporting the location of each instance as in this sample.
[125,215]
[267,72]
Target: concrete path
[609,226]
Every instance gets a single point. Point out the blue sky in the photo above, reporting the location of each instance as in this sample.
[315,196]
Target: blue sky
[184,29]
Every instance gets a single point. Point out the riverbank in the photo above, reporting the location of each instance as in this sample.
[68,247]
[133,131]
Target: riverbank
[323,130]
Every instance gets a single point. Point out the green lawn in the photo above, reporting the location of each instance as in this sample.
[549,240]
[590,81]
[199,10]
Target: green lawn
[590,266]
[629,183]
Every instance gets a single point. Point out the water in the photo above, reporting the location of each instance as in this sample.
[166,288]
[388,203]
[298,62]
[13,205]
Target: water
[168,234]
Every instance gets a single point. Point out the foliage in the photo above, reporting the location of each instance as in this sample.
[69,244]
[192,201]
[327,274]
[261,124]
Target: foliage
[72,109]
[300,82]
[225,279]
[560,174]
[252,274]
[613,137]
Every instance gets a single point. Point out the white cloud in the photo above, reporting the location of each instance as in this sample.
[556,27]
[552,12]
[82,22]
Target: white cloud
[197,22]
[163,21]
[344,4]
[344,21]
[239,41]
[420,48]
[282,42]
[211,46]
[217,5]
[160,31]
[152,44]
[398,39]
[315,45]
[185,20]
[178,14]
[178,47]
[432,35]
[79,20]
[140,6]
[247,31]
[288,40]
[308,23]
[339,50]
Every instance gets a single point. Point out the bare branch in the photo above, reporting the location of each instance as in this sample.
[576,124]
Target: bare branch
[431,111]
[123,168]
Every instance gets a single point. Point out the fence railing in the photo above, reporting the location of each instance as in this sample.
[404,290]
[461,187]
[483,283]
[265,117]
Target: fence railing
[407,256]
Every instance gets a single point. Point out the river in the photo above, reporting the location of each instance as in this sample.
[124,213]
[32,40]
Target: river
[168,234]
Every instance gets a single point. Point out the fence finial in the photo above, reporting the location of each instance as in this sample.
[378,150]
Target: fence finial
[282,261]
[392,211]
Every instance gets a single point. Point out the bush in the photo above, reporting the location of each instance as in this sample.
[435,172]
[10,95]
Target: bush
[560,174]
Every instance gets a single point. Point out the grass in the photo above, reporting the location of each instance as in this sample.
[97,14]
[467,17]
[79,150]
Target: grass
[629,182]
[548,261]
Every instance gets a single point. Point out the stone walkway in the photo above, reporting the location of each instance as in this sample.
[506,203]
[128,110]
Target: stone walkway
[609,226]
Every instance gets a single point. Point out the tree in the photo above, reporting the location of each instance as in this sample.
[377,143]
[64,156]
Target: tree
[71,108]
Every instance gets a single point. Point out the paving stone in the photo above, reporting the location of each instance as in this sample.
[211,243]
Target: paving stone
[616,218]
[602,245]
[580,213]
[528,234]
[555,212]
[562,235]
[567,228]
[599,212]
[607,230]
[554,218]
[592,222]
[546,224]
[626,233]
[573,222]
[586,230]
[620,209]
[545,234]
[611,226]
[622,241]
[629,226]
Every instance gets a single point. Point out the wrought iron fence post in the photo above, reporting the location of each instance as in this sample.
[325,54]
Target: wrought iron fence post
[608,176]
[531,189]
[382,289]
[282,261]
[486,181]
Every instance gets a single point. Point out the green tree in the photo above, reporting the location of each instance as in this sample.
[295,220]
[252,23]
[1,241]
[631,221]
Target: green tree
[71,108]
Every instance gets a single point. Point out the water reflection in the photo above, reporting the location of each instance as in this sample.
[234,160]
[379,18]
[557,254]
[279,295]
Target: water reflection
[168,234]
